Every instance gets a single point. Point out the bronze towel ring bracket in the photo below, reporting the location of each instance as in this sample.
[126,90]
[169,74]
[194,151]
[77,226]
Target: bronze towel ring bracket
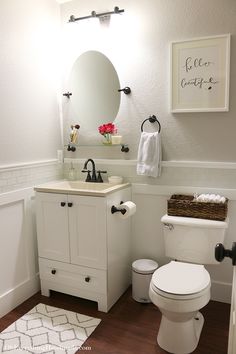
[152,119]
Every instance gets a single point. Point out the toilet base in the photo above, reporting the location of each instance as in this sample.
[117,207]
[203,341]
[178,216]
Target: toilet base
[180,337]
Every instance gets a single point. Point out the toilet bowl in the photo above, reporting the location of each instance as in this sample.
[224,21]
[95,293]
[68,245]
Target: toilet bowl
[182,287]
[180,290]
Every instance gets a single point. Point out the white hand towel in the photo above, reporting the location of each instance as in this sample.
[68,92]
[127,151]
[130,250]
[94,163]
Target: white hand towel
[149,155]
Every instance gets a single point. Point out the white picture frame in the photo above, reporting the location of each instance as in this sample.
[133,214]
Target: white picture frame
[200,74]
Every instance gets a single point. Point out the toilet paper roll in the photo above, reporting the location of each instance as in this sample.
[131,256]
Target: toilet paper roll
[130,208]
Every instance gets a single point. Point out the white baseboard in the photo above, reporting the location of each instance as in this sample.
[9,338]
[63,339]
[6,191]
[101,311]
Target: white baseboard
[221,291]
[17,295]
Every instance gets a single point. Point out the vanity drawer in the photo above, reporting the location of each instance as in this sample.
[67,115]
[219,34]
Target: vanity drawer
[71,275]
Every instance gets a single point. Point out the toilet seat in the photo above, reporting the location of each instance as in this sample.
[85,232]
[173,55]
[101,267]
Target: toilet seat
[178,280]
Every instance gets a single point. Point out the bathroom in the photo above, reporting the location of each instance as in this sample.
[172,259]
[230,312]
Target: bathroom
[198,148]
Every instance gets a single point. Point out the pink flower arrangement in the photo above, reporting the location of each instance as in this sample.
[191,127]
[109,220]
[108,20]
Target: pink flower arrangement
[108,128]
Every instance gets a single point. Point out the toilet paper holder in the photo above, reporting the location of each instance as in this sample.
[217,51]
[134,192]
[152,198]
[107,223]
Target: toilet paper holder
[114,209]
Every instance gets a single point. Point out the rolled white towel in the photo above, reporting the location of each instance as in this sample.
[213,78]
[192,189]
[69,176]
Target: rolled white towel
[202,198]
[217,198]
[214,198]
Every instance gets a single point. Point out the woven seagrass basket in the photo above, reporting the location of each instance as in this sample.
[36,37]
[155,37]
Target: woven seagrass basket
[184,205]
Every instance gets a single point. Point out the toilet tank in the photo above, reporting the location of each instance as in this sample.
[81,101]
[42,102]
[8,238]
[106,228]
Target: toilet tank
[192,240]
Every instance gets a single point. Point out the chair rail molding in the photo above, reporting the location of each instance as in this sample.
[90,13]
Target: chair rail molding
[186,164]
[16,166]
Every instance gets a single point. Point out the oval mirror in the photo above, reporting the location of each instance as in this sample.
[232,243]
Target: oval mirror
[94,84]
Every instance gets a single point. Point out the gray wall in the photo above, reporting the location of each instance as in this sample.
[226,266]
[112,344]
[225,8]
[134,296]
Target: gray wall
[138,44]
[30,77]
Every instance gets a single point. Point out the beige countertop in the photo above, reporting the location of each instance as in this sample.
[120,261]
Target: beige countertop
[80,188]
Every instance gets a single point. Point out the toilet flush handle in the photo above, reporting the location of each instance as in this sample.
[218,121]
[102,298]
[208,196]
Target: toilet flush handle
[168,226]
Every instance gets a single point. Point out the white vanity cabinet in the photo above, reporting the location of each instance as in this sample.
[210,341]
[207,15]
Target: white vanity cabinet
[84,249]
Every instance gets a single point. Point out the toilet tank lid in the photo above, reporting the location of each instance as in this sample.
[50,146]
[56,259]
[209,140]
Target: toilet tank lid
[179,220]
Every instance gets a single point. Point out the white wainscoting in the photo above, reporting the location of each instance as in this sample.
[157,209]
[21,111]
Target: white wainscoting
[18,253]
[147,236]
[18,250]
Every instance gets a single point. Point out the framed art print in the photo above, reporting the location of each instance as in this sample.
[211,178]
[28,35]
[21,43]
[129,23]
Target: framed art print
[200,74]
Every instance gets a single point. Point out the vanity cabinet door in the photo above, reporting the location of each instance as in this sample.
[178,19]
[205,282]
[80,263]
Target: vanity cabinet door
[52,226]
[87,225]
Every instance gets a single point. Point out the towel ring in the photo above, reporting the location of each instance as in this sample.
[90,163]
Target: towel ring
[152,119]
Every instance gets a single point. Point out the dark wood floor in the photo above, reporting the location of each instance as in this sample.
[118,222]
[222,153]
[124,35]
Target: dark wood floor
[131,327]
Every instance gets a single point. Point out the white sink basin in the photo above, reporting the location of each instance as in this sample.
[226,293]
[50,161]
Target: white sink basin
[80,188]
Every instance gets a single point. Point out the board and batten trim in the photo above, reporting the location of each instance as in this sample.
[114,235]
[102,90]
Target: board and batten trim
[18,294]
[20,291]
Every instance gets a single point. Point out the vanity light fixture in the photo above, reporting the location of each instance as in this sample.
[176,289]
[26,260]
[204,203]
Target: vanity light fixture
[95,15]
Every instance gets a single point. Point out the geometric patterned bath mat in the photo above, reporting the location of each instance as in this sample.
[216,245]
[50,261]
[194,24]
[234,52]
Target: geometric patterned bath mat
[49,330]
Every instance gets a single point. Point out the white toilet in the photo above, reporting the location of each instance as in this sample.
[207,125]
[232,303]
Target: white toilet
[181,289]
